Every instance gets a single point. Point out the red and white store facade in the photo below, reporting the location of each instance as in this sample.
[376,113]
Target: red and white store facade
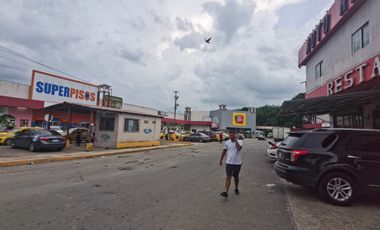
[342,60]
[16,109]
[23,105]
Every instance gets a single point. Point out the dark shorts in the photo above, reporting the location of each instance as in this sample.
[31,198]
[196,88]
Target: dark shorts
[233,170]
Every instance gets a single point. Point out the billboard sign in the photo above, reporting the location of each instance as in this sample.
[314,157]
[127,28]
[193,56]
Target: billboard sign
[56,89]
[239,119]
[113,102]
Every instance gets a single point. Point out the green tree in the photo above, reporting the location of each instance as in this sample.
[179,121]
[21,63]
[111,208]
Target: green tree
[267,115]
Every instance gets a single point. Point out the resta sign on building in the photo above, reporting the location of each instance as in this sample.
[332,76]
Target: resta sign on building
[57,89]
[354,77]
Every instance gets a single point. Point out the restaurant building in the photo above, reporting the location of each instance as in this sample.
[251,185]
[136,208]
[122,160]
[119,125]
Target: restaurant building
[342,61]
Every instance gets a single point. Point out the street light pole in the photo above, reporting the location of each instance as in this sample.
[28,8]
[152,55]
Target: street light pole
[175,103]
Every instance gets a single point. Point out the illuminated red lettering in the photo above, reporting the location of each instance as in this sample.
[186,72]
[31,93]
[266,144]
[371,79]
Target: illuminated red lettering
[72,92]
[81,94]
[92,96]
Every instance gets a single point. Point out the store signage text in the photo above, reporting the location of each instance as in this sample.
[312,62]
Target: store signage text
[327,24]
[64,91]
[57,89]
[354,77]
[360,74]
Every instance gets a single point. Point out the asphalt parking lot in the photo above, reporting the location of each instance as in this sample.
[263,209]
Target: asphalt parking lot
[168,189]
[7,152]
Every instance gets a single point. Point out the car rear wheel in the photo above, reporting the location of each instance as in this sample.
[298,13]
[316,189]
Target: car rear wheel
[32,147]
[338,188]
[8,142]
[12,144]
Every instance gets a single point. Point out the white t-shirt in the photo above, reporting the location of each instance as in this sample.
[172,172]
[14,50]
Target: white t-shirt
[233,154]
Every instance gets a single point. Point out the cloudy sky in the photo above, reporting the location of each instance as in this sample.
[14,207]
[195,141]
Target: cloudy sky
[146,49]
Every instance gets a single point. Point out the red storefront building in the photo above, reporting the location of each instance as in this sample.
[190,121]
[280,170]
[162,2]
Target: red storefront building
[342,60]
[16,108]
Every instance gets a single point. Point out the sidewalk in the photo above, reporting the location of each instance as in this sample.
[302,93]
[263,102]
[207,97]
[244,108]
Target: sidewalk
[51,157]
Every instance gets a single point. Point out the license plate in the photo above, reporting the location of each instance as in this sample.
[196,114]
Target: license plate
[55,141]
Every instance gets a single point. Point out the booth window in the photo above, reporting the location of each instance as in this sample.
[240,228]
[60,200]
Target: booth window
[107,124]
[318,71]
[131,125]
[360,38]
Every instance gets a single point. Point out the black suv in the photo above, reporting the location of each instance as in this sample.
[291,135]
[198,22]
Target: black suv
[340,163]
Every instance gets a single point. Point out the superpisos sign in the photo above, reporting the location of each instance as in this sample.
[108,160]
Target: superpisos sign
[51,88]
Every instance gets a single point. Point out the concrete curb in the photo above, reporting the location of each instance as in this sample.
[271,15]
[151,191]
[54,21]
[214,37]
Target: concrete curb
[39,159]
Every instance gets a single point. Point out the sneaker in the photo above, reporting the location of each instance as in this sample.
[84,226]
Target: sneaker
[224,194]
[237,191]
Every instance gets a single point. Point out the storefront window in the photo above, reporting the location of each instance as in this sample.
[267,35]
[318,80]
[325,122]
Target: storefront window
[107,124]
[131,125]
[349,121]
[376,119]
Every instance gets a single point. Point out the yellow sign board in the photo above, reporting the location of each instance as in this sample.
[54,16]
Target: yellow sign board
[239,119]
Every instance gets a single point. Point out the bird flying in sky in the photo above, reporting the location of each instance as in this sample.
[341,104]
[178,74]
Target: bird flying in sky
[208,40]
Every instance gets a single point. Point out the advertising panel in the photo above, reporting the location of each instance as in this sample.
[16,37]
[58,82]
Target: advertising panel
[56,89]
[113,102]
[239,119]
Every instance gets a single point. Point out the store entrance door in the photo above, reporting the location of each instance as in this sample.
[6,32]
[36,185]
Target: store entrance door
[376,119]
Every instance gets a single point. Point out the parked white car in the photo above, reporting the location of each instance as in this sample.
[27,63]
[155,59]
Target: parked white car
[58,129]
[272,150]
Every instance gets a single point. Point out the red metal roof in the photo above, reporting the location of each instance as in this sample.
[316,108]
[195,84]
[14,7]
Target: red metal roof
[183,122]
[18,102]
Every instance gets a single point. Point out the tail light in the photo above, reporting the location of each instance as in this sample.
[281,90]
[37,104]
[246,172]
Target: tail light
[44,138]
[296,154]
[273,147]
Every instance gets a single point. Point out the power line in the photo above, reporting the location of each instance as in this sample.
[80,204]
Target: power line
[11,52]
[10,59]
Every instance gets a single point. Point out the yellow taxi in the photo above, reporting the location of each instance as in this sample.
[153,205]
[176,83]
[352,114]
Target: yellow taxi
[6,136]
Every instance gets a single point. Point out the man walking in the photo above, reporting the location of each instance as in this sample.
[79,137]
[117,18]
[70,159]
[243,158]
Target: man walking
[232,148]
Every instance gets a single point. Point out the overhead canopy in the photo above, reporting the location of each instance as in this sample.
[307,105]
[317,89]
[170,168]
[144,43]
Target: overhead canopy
[328,104]
[79,108]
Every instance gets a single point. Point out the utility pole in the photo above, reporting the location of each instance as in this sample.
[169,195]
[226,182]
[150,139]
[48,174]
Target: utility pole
[176,105]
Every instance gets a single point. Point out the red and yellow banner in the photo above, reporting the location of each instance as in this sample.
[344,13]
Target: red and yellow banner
[239,119]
